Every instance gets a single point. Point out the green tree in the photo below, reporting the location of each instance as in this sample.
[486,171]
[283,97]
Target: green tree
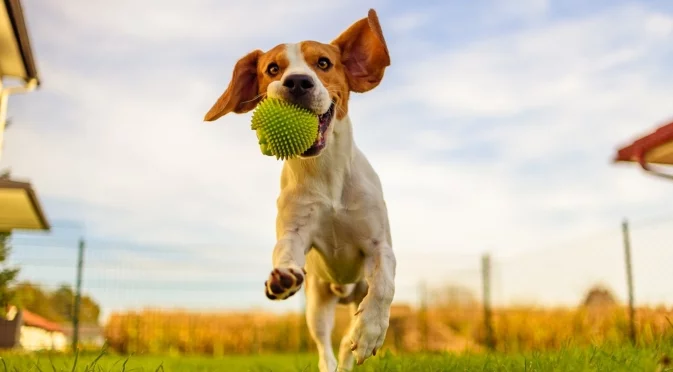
[57,306]
[31,297]
[62,301]
[89,311]
[7,274]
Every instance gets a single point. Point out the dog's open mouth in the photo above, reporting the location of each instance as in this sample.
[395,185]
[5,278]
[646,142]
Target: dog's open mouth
[324,122]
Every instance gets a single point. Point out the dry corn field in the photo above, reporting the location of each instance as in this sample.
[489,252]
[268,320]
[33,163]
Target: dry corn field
[437,329]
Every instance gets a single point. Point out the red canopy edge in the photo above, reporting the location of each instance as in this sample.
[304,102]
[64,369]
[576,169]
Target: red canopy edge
[637,151]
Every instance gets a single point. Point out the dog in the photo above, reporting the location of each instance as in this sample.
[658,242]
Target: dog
[332,228]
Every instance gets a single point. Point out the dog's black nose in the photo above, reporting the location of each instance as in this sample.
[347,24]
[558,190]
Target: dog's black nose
[298,84]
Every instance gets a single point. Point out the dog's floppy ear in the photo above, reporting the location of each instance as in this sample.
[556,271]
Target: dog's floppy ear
[364,53]
[241,94]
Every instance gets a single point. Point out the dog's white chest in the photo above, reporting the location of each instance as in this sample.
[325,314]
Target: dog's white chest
[335,255]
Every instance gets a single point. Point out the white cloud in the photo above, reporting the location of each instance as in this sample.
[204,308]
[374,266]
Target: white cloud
[407,22]
[571,62]
[209,23]
[515,10]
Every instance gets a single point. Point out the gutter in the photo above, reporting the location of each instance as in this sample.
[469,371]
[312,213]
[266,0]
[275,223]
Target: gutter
[648,168]
[30,85]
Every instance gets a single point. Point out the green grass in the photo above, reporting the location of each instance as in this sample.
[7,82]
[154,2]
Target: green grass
[607,359]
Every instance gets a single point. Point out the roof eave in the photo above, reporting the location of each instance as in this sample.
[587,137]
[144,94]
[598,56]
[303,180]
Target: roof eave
[15,13]
[32,196]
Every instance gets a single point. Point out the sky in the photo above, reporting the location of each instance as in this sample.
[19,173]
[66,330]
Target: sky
[493,131]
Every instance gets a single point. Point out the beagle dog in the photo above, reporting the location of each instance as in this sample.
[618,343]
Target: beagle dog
[332,229]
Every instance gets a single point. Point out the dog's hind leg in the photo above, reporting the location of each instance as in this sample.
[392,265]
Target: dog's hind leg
[346,358]
[320,308]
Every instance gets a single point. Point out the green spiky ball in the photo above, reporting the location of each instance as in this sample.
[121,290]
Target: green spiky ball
[284,130]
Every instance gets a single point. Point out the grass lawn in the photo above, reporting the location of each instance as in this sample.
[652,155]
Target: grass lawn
[608,359]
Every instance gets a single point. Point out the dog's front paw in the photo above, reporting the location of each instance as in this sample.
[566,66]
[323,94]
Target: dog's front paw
[283,283]
[369,331]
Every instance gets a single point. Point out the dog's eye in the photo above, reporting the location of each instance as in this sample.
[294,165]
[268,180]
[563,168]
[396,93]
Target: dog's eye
[324,63]
[272,69]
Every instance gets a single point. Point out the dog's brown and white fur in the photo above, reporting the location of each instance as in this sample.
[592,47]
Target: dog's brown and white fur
[332,225]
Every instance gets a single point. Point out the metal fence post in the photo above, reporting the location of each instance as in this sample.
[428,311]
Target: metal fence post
[488,315]
[78,296]
[629,280]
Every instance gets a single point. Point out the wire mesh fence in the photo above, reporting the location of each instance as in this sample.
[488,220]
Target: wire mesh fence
[200,299]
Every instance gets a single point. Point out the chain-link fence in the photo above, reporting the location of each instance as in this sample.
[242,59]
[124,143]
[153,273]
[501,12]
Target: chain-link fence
[144,298]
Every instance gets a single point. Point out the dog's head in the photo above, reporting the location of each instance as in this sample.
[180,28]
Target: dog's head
[314,75]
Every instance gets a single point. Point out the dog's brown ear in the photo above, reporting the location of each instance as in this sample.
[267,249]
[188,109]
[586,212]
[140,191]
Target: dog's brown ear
[364,53]
[241,94]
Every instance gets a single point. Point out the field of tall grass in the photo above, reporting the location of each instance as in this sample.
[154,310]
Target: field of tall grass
[411,330]
[624,358]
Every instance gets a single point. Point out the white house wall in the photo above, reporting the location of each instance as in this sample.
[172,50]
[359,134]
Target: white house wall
[35,339]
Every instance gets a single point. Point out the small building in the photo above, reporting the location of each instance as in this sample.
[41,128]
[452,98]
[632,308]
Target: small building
[22,329]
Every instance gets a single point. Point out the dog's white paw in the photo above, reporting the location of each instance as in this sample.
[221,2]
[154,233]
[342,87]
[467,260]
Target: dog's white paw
[283,283]
[369,331]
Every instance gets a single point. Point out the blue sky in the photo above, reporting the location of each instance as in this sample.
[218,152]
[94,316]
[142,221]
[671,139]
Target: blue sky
[493,130]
